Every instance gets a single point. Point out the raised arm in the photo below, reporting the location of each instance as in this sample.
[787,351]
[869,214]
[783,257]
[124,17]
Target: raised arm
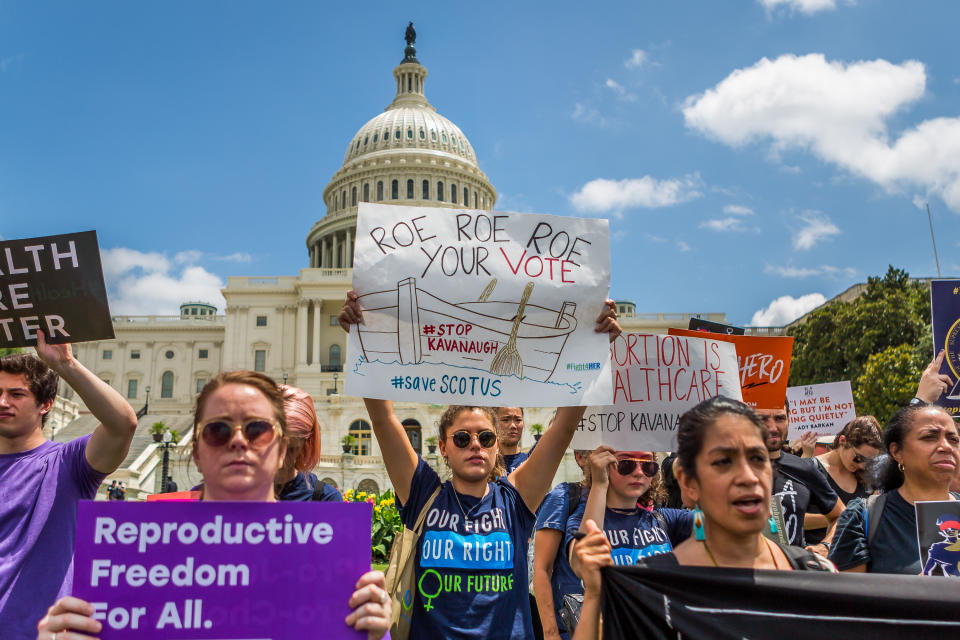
[532,478]
[111,438]
[398,455]
[600,461]
[590,554]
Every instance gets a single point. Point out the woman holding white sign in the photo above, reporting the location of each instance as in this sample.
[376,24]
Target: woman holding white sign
[239,444]
[470,569]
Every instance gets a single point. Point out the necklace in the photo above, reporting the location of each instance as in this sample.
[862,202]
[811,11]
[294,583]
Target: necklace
[773,556]
[466,514]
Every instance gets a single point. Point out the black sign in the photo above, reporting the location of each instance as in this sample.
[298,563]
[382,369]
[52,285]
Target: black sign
[938,536]
[55,285]
[706,602]
[698,324]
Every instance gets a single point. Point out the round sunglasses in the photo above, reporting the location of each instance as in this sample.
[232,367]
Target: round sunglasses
[259,432]
[462,439]
[626,466]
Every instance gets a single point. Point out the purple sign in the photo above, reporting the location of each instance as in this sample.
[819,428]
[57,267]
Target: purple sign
[221,570]
[945,316]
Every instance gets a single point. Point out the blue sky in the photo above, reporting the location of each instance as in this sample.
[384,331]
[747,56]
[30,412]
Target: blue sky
[753,156]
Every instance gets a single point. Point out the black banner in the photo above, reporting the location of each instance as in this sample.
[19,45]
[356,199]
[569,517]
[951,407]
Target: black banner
[52,284]
[699,324]
[706,602]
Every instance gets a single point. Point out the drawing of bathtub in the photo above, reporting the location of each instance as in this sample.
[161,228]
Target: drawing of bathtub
[395,332]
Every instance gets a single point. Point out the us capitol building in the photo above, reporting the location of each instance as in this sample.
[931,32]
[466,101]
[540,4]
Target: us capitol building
[286,326]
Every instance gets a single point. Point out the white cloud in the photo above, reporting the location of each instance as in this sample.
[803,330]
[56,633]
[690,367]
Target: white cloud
[722,224]
[602,195]
[636,60]
[786,309]
[239,256]
[7,61]
[840,113]
[653,238]
[737,210]
[141,283]
[806,272]
[586,113]
[816,227]
[683,246]
[620,90]
[808,7]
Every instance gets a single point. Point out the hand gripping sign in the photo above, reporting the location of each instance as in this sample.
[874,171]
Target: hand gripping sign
[479,307]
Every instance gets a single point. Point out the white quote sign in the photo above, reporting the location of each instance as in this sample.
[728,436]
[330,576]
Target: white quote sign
[479,307]
[655,380]
[821,408]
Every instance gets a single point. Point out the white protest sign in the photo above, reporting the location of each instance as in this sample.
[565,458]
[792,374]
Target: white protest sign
[479,307]
[822,408]
[655,380]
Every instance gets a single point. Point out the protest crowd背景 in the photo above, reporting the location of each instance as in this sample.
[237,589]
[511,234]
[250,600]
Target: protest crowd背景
[581,475]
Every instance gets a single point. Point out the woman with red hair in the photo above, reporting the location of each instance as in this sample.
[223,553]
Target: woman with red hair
[295,479]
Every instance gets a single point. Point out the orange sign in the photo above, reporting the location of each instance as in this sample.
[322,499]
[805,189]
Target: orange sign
[764,366]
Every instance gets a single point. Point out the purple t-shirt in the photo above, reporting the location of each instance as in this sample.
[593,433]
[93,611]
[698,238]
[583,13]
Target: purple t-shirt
[39,491]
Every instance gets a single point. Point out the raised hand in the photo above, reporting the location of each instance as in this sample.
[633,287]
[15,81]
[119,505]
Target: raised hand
[370,605]
[607,320]
[351,313]
[933,384]
[600,461]
[590,553]
[55,356]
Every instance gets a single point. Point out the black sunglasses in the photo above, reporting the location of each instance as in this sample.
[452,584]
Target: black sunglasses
[626,466]
[257,431]
[486,438]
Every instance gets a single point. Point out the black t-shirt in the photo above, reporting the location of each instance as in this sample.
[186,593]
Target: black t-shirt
[798,484]
[815,536]
[894,548]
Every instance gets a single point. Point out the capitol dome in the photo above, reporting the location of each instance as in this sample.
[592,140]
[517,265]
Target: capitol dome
[410,155]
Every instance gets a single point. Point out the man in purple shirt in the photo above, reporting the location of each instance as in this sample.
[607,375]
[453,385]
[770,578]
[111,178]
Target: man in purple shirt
[41,481]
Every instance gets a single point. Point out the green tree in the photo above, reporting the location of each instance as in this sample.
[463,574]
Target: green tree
[888,381]
[6,351]
[887,328]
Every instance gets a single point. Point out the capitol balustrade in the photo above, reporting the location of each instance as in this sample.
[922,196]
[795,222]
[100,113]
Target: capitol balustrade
[144,320]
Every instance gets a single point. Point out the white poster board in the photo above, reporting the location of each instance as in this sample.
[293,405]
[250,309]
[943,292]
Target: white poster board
[655,380]
[479,307]
[822,408]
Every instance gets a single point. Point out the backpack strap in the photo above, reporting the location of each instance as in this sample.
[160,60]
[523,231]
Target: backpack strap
[418,525]
[872,512]
[318,490]
[573,496]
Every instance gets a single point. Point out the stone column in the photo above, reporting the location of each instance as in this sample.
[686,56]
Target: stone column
[317,321]
[301,346]
[336,246]
[348,258]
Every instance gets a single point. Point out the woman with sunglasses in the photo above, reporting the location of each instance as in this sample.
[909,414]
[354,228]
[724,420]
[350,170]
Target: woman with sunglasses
[239,445]
[923,449]
[723,467]
[623,487]
[471,568]
[843,467]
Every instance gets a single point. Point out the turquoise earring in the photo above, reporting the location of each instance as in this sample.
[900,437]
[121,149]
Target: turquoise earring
[698,531]
[773,524]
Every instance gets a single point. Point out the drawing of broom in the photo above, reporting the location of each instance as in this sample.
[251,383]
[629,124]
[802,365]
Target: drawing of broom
[507,361]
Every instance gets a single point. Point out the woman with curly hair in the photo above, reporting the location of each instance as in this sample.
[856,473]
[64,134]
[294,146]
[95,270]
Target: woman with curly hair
[624,485]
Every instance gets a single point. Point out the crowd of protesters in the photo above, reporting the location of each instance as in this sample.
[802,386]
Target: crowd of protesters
[730,496]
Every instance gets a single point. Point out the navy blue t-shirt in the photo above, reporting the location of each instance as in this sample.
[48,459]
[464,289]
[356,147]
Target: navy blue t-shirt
[471,564]
[637,534]
[553,514]
[302,487]
[512,460]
